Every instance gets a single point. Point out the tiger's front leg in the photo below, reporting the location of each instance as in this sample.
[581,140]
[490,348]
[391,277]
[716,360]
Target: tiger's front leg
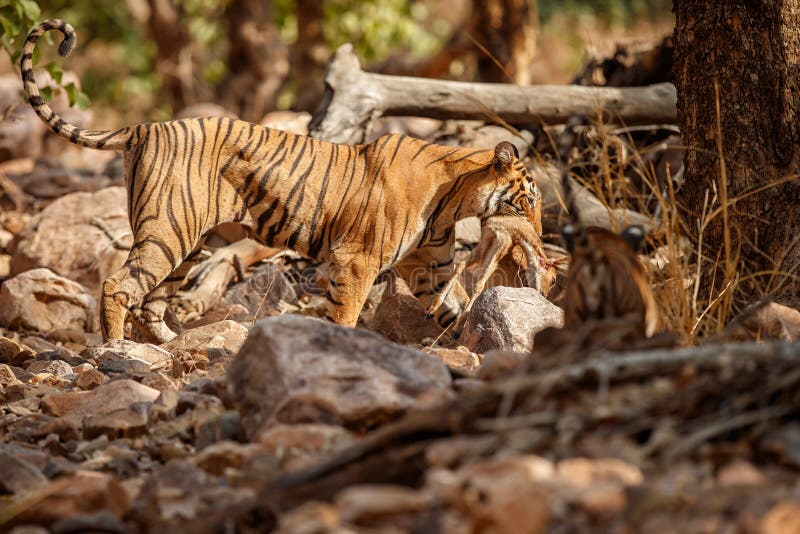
[432,277]
[350,277]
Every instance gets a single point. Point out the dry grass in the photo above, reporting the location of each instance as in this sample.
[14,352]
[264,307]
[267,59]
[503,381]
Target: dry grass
[699,289]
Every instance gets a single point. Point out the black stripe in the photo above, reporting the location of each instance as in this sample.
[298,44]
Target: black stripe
[421,149]
[440,158]
[316,244]
[330,298]
[59,125]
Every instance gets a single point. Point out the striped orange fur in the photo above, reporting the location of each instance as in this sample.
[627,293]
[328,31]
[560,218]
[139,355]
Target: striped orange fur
[363,208]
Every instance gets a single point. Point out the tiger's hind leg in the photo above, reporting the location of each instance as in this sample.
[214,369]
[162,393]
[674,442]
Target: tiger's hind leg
[150,315]
[150,262]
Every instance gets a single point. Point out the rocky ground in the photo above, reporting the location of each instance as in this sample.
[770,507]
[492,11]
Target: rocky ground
[261,416]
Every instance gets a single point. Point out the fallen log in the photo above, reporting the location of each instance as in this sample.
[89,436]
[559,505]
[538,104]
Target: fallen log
[354,99]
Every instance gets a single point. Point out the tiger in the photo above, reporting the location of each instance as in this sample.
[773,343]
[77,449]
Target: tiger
[363,209]
[606,281]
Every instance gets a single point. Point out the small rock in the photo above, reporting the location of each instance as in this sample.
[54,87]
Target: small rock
[124,423]
[458,360]
[501,495]
[219,427]
[38,344]
[30,453]
[7,376]
[62,354]
[228,335]
[261,292]
[69,237]
[584,472]
[41,300]
[125,349]
[49,379]
[103,399]
[499,363]
[366,503]
[217,458]
[300,445]
[181,491]
[159,381]
[13,353]
[740,473]
[36,426]
[82,493]
[293,369]
[764,321]
[132,366]
[508,318]
[78,369]
[310,517]
[55,367]
[400,317]
[88,379]
[97,522]
[19,476]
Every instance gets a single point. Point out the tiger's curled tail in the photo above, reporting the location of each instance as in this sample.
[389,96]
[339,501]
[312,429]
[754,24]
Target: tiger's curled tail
[104,140]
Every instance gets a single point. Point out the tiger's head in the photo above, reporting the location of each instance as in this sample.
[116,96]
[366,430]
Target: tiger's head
[510,187]
[606,280]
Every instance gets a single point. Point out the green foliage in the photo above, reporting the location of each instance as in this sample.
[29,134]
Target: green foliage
[16,17]
[612,12]
[117,59]
[379,28]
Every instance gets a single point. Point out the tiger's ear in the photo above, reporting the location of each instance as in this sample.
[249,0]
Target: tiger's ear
[504,154]
[568,236]
[634,235]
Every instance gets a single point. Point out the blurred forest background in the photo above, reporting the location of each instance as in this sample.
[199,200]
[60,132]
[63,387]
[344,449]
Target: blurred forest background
[142,60]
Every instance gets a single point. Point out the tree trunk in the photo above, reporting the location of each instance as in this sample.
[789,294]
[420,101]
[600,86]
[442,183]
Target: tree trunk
[747,52]
[309,54]
[258,61]
[170,36]
[506,29]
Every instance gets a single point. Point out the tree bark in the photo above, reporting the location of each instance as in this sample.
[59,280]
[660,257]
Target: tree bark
[258,61]
[171,40]
[309,54]
[744,58]
[506,30]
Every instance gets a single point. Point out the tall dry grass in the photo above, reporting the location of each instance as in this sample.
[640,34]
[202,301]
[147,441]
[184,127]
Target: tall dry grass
[699,286]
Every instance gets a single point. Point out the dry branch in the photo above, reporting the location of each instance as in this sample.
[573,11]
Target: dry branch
[385,450]
[209,279]
[354,99]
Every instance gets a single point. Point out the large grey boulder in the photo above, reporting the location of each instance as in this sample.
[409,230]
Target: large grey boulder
[507,318]
[294,369]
